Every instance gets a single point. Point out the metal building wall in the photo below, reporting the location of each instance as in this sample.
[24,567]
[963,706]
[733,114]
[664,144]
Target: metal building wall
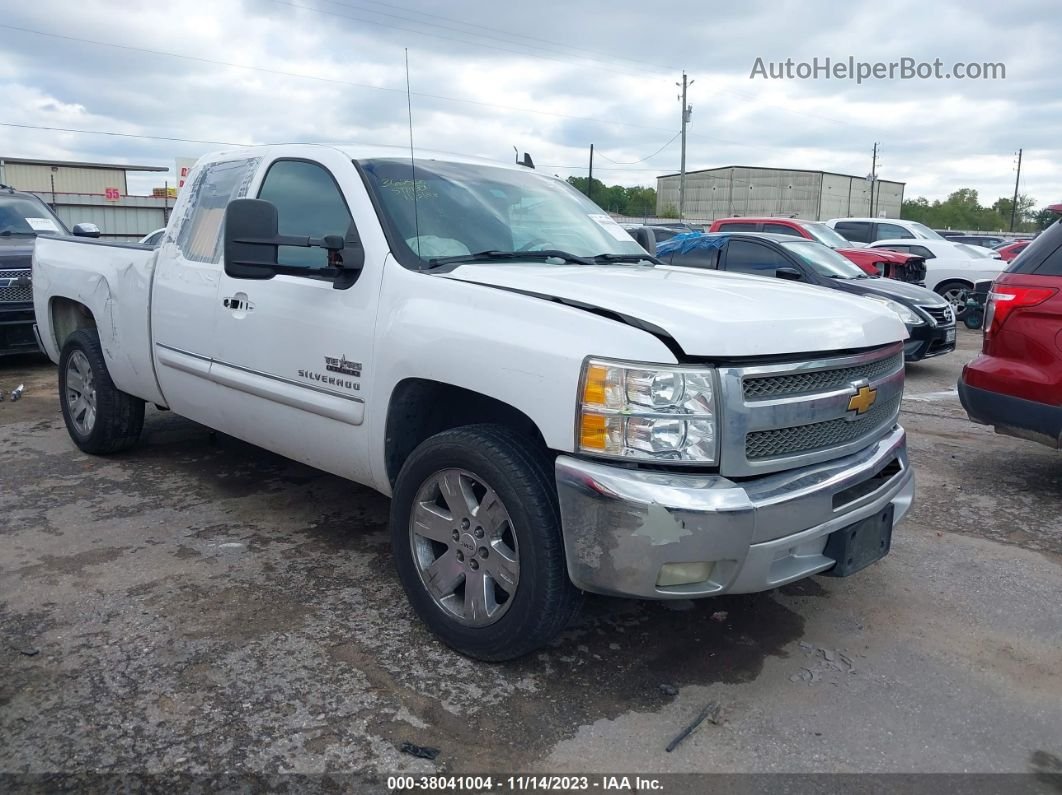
[68,179]
[129,218]
[750,191]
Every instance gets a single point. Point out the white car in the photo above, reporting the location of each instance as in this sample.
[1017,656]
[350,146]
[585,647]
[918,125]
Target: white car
[864,231]
[550,409]
[153,239]
[951,268]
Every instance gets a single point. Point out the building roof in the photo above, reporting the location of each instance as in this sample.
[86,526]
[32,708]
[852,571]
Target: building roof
[77,164]
[774,168]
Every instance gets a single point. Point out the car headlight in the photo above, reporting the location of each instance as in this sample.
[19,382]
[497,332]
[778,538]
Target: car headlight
[647,412]
[906,314]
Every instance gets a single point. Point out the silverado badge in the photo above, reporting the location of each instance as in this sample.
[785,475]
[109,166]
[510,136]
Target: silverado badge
[862,400]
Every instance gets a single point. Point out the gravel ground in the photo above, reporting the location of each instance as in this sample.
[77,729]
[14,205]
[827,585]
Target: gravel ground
[198,605]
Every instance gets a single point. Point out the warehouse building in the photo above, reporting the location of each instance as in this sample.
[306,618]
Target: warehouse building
[96,193]
[751,191]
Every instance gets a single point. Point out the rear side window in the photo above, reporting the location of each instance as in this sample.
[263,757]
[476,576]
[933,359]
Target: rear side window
[698,258]
[1043,255]
[212,188]
[743,256]
[856,231]
[781,229]
[891,232]
[663,234]
[309,203]
[737,226]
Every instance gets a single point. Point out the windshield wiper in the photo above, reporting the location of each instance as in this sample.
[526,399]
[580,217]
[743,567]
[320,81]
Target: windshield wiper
[494,256]
[627,258]
[13,233]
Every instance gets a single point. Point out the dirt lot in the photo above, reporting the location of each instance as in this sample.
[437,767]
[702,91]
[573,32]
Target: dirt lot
[198,605]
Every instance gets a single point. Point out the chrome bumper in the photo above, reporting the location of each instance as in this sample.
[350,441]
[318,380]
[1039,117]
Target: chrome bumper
[622,525]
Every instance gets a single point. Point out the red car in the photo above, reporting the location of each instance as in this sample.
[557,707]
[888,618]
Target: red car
[876,262]
[1011,250]
[1015,383]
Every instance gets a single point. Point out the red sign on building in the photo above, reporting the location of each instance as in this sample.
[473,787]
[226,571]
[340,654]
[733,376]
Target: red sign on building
[112,194]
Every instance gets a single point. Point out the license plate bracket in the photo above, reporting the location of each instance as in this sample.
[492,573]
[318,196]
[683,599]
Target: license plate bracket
[857,546]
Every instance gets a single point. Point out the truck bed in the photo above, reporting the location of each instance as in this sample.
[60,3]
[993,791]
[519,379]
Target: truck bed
[79,282]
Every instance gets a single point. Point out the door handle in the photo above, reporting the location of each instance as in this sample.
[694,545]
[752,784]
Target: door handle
[237,304]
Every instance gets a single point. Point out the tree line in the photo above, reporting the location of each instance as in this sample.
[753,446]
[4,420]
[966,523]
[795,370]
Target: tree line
[634,202]
[963,210]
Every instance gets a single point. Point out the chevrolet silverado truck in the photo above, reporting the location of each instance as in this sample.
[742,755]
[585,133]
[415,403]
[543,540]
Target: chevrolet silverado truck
[551,411]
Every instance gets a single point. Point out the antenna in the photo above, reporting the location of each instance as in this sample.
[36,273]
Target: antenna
[412,162]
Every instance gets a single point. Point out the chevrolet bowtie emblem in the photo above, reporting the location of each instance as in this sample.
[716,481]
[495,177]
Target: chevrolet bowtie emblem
[862,400]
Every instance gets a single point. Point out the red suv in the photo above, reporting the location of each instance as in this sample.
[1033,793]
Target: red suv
[1015,383]
[874,261]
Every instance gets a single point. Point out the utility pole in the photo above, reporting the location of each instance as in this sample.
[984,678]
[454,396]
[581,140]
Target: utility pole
[1014,204]
[590,182]
[873,177]
[687,111]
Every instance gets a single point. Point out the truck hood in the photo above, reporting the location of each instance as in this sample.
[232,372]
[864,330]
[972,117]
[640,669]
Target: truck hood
[16,252]
[708,313]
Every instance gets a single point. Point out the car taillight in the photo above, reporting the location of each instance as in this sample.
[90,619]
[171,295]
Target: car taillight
[1005,299]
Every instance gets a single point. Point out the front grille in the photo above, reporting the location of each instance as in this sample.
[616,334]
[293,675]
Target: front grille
[775,386]
[781,442]
[942,315]
[11,291]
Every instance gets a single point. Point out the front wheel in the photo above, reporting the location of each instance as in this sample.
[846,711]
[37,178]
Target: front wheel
[475,528]
[955,293]
[100,417]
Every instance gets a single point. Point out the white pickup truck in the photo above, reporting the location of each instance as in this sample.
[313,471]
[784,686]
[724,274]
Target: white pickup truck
[550,411]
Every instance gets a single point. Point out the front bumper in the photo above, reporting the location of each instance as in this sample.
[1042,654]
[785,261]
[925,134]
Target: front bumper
[16,329]
[926,341]
[622,525]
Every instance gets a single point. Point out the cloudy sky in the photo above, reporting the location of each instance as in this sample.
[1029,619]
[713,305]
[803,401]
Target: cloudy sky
[550,77]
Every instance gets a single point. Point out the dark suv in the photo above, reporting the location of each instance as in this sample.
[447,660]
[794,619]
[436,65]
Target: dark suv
[929,318]
[22,217]
[1016,382]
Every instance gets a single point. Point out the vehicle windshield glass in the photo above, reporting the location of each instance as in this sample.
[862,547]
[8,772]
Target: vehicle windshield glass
[827,236]
[825,261]
[458,209]
[924,231]
[19,216]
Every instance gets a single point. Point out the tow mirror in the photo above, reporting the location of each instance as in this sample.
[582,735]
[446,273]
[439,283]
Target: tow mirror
[86,230]
[252,241]
[789,274]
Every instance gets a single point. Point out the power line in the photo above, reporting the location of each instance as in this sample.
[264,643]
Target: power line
[334,81]
[647,157]
[445,38]
[565,48]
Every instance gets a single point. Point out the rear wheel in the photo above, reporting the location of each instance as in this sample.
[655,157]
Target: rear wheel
[955,293]
[100,418]
[475,528]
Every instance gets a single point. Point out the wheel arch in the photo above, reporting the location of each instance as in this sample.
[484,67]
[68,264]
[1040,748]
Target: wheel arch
[420,408]
[67,316]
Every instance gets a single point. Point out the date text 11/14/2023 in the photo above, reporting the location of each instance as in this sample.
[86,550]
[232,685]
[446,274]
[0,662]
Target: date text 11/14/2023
[523,783]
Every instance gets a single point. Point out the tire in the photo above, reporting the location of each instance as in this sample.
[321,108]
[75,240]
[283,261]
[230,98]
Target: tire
[100,418]
[497,479]
[974,319]
[954,292]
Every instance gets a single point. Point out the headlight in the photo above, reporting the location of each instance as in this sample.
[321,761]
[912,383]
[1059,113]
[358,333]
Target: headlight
[907,315]
[647,412]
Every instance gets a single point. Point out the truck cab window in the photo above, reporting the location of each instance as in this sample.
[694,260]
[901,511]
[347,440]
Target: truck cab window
[212,188]
[308,202]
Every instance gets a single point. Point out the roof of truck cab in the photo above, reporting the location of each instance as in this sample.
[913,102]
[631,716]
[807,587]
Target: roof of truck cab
[360,152]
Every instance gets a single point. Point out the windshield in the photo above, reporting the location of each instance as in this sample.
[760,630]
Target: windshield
[827,236]
[459,209]
[825,261]
[21,216]
[924,231]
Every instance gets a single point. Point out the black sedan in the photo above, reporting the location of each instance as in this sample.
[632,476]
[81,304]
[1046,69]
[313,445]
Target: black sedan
[929,319]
